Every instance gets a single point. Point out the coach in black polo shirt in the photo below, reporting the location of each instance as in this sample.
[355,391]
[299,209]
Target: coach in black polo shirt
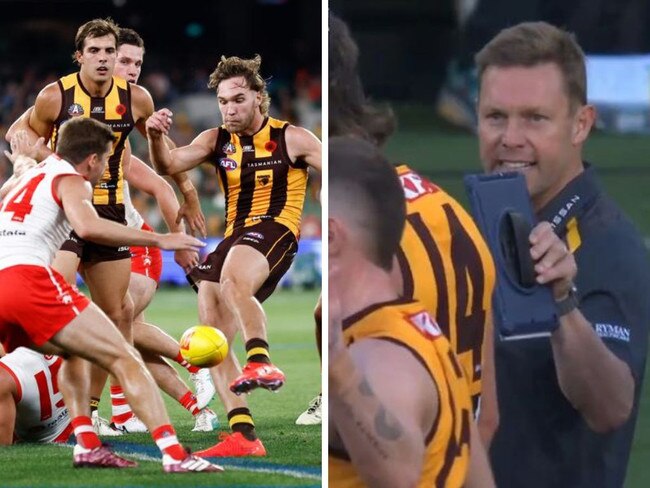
[568,404]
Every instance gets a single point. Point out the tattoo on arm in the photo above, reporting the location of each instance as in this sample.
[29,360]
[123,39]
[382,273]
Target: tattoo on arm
[386,426]
[364,388]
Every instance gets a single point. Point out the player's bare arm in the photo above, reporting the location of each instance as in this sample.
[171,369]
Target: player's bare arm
[302,144]
[18,157]
[182,158]
[594,380]
[141,176]
[45,113]
[39,151]
[76,197]
[488,420]
[142,106]
[479,473]
[24,154]
[7,407]
[191,208]
[379,409]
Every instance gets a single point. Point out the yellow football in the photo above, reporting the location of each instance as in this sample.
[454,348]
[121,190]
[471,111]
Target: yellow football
[203,346]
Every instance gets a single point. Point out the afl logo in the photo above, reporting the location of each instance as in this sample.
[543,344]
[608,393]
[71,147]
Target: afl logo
[75,109]
[228,164]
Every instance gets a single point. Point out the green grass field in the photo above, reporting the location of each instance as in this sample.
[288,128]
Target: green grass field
[445,154]
[294,453]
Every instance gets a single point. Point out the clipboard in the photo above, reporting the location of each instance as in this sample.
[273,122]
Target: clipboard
[502,210]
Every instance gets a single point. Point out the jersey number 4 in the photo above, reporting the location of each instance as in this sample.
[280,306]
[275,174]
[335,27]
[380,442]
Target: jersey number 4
[21,203]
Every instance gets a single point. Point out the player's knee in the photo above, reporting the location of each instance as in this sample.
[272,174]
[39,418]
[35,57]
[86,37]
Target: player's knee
[126,310]
[125,361]
[232,289]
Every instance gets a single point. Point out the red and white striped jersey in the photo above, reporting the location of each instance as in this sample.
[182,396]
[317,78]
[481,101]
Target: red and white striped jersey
[41,415]
[32,222]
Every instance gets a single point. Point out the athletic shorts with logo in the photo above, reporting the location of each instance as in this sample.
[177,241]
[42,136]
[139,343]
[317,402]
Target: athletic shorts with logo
[91,252]
[147,260]
[275,241]
[35,303]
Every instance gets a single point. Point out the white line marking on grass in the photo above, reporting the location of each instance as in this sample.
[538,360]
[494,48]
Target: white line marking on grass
[134,451]
[235,467]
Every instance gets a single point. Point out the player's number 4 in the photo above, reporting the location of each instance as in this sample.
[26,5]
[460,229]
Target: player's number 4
[21,203]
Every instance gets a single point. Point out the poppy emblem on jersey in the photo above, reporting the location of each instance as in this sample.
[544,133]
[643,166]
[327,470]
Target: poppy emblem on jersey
[229,148]
[75,109]
[425,324]
[270,146]
[120,109]
[228,164]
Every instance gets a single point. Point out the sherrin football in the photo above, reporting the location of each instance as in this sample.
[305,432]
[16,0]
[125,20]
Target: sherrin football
[203,346]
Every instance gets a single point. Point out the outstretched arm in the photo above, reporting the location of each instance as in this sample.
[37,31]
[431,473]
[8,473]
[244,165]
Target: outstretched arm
[169,162]
[76,194]
[190,210]
[144,178]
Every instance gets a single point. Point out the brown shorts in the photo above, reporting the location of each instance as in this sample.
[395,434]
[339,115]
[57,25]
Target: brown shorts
[276,242]
[90,252]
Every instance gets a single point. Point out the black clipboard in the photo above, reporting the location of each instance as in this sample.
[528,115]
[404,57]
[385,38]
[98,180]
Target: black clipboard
[502,210]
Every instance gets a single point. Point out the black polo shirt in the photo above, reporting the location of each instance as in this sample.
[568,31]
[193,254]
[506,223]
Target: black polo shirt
[542,441]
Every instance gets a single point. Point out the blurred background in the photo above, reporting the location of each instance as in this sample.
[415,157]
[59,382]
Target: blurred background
[418,56]
[182,47]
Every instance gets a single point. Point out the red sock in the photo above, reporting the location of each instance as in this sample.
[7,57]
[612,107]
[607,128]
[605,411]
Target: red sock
[189,403]
[120,407]
[167,442]
[84,433]
[179,359]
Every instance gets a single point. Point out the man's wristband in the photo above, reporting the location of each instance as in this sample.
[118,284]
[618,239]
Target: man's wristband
[568,304]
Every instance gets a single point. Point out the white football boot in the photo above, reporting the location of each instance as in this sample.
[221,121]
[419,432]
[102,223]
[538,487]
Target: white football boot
[205,421]
[312,416]
[102,427]
[203,387]
[132,426]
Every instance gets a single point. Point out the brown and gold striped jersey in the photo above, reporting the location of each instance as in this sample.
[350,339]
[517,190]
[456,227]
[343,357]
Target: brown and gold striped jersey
[114,110]
[258,179]
[447,266]
[408,324]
